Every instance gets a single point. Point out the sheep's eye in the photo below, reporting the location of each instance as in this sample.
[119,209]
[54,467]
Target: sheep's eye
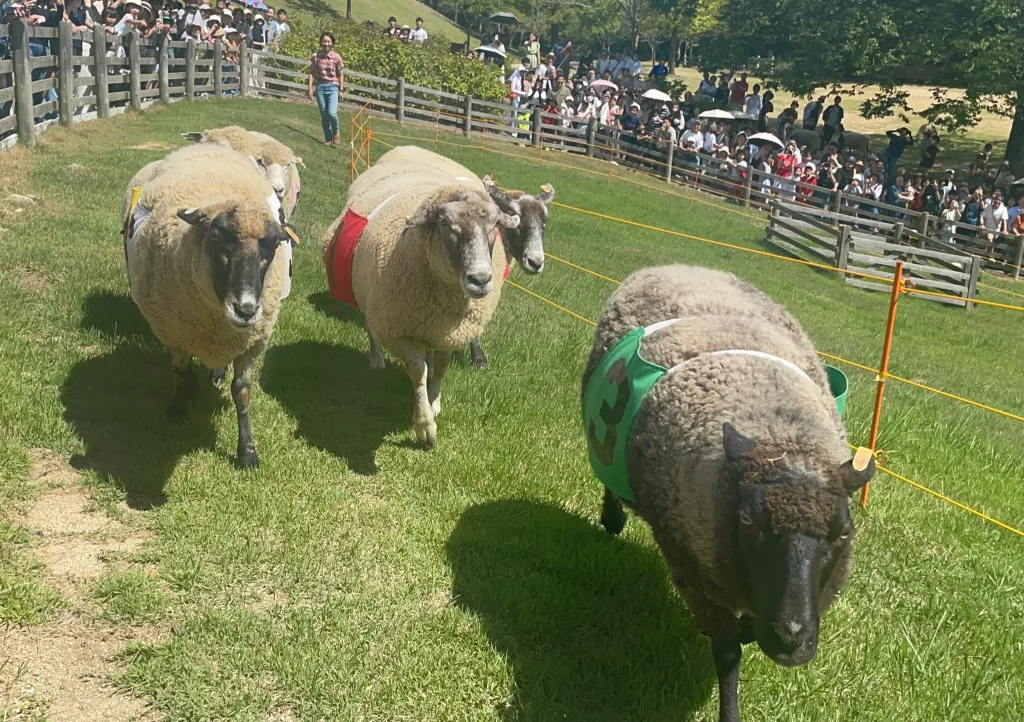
[745,518]
[845,532]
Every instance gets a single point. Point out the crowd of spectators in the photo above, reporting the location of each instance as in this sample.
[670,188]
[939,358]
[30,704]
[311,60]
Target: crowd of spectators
[609,91]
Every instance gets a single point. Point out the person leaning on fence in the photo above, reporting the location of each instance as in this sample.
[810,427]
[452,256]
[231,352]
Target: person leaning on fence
[994,217]
[327,74]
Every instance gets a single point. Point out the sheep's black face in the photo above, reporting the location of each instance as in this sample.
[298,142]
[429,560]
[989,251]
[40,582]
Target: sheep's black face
[526,243]
[793,535]
[240,247]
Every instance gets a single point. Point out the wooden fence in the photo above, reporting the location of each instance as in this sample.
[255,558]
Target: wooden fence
[54,75]
[873,247]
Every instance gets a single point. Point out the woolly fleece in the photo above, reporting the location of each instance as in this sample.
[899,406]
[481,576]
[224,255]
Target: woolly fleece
[682,485]
[394,279]
[173,278]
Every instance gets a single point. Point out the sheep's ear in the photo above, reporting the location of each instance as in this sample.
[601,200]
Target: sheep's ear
[296,160]
[195,137]
[858,471]
[497,194]
[507,221]
[425,215]
[548,195]
[192,216]
[736,444]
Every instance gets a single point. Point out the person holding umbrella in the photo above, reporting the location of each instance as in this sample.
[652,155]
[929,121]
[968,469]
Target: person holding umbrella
[327,72]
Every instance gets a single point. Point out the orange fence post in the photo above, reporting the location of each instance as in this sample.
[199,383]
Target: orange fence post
[883,368]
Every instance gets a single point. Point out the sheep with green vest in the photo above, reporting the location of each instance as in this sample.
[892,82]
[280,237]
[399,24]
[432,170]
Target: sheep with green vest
[708,413]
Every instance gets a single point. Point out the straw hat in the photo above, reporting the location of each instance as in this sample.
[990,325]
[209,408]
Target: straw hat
[215,19]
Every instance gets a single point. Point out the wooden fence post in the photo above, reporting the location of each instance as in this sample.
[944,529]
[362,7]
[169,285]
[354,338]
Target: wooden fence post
[190,70]
[467,115]
[536,126]
[1019,258]
[925,221]
[972,282]
[243,69]
[748,186]
[65,74]
[897,233]
[134,70]
[400,100]
[843,251]
[99,70]
[218,68]
[18,30]
[591,137]
[669,155]
[837,202]
[163,59]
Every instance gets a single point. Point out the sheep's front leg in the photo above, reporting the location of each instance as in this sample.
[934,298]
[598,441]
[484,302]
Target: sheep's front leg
[439,368]
[416,368]
[723,629]
[477,355]
[376,354]
[613,517]
[217,375]
[186,385]
[240,392]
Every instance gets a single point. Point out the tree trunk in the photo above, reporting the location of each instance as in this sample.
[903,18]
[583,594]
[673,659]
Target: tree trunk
[1015,144]
[673,52]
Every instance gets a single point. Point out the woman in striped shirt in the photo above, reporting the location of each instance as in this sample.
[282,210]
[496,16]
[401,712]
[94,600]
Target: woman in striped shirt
[327,75]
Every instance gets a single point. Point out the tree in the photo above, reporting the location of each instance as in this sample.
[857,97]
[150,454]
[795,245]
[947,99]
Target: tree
[689,21]
[970,44]
[654,31]
[635,13]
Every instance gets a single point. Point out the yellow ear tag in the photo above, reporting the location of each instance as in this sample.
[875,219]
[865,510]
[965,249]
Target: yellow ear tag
[861,459]
[292,235]
[546,188]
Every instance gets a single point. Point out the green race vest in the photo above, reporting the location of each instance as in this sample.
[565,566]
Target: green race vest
[610,402]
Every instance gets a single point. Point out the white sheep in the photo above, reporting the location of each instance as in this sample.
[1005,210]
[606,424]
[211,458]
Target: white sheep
[525,243]
[202,245]
[708,412]
[275,160]
[415,252]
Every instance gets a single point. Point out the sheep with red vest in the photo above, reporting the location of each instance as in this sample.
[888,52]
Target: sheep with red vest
[416,252]
[524,244]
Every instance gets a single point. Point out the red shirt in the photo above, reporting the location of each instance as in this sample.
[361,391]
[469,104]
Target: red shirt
[326,68]
[739,91]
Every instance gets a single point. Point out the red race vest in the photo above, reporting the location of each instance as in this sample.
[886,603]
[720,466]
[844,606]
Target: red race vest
[339,254]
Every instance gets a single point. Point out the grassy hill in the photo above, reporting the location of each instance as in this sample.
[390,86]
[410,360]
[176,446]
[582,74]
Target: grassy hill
[357,577]
[406,11]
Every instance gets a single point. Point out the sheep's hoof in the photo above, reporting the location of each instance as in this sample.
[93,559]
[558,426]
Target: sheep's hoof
[248,458]
[377,362]
[427,434]
[217,376]
[477,355]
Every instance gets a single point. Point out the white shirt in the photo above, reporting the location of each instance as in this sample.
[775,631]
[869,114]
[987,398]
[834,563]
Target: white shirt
[542,70]
[195,18]
[991,217]
[709,141]
[276,31]
[696,136]
[417,35]
[753,105]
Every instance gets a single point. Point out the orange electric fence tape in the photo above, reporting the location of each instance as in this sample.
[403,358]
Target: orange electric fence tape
[891,473]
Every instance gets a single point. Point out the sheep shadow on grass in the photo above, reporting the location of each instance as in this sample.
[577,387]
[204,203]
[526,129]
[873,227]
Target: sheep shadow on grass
[116,316]
[117,404]
[340,404]
[588,622]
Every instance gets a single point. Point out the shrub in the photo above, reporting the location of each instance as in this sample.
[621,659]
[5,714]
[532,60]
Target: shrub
[430,65]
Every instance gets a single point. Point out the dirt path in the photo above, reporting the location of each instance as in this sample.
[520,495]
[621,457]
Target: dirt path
[60,670]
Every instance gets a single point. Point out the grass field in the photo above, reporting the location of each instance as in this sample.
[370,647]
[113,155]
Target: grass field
[356,577]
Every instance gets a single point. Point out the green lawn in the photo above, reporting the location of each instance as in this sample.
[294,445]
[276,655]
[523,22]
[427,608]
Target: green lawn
[356,577]
[406,12]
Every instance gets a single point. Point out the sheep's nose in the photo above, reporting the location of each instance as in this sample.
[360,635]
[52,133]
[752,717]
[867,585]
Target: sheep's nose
[479,279]
[245,310]
[531,265]
[792,633]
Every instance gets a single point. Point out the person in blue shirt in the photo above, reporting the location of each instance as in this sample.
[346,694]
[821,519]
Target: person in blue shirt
[659,71]
[898,142]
